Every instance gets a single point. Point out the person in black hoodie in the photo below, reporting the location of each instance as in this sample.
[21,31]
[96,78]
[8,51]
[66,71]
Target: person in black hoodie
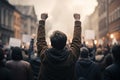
[112,72]
[86,69]
[58,62]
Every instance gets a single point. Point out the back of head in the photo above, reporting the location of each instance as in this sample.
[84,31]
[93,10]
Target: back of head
[1,54]
[17,53]
[58,40]
[116,53]
[99,51]
[84,52]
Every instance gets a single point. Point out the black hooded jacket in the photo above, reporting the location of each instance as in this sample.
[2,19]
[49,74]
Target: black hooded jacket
[58,64]
[87,69]
[112,72]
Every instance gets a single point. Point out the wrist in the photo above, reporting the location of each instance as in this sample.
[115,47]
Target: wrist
[77,23]
[42,22]
[77,19]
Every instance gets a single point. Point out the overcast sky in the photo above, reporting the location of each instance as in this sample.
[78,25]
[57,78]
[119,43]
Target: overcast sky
[60,12]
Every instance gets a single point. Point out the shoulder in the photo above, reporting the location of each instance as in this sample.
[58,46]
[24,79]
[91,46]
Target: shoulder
[9,62]
[112,67]
[111,70]
[25,62]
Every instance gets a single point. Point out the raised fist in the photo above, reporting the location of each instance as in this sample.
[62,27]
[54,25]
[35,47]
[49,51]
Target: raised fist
[76,16]
[44,16]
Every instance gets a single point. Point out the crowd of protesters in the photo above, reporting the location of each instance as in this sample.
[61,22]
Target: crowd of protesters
[61,61]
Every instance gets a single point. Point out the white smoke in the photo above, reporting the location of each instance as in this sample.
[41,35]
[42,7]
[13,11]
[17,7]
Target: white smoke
[61,12]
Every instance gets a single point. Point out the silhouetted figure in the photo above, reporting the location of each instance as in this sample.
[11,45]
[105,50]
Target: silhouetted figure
[5,73]
[21,69]
[85,68]
[112,72]
[58,62]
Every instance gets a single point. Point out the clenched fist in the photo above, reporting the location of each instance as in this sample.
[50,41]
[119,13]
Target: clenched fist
[44,16]
[76,16]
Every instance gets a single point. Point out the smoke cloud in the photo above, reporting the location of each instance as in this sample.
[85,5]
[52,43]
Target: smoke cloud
[61,12]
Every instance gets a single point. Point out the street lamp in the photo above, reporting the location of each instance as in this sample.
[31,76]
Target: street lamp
[95,41]
[111,36]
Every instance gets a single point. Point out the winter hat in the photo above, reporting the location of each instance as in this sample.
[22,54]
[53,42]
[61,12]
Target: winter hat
[84,52]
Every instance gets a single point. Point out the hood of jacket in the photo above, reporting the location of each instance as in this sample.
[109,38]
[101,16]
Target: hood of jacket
[84,63]
[57,56]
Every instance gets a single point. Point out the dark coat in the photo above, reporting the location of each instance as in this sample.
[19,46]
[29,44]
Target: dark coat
[112,72]
[5,73]
[87,69]
[58,64]
[21,70]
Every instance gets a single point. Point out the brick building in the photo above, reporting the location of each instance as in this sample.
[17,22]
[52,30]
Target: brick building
[114,19]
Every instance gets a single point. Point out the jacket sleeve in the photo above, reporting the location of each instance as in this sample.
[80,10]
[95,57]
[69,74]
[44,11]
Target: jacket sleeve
[76,41]
[41,40]
[108,75]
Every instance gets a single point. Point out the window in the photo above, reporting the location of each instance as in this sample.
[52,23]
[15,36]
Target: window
[119,12]
[2,16]
[6,19]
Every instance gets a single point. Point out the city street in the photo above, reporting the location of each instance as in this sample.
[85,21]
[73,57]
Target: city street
[59,39]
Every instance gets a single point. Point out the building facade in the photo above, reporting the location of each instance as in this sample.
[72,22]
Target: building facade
[114,19]
[29,19]
[109,20]
[17,24]
[6,21]
[103,18]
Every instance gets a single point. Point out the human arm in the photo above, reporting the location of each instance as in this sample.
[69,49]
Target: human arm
[41,40]
[76,41]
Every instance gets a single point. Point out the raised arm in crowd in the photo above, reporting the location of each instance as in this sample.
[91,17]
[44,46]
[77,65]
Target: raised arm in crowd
[57,62]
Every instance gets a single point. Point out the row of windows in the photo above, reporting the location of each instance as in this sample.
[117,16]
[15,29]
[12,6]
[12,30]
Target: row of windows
[6,18]
[103,7]
[103,24]
[114,15]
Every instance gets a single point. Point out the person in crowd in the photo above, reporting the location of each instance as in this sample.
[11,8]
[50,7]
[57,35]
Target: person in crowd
[108,60]
[99,56]
[58,62]
[5,74]
[21,69]
[85,68]
[112,72]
